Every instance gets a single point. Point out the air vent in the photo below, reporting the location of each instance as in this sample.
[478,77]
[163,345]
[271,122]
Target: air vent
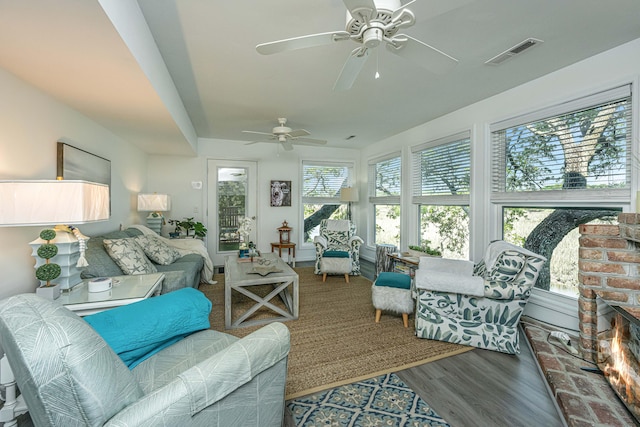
[515,50]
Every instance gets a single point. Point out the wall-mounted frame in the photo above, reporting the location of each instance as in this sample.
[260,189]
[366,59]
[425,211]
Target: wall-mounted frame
[74,163]
[280,193]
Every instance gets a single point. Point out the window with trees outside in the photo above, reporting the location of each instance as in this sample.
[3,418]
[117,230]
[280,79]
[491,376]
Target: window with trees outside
[441,183]
[384,197]
[557,168]
[321,184]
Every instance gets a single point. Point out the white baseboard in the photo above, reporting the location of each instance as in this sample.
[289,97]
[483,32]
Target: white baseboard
[552,308]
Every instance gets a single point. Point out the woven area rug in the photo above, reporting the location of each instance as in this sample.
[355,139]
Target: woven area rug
[336,341]
[380,401]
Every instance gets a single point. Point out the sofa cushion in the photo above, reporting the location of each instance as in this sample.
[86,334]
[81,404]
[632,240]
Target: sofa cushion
[129,256]
[157,250]
[188,266]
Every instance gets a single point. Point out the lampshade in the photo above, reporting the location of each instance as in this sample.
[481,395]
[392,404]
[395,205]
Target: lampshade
[154,202]
[49,202]
[348,194]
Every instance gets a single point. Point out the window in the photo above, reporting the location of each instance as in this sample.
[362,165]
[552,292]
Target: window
[384,197]
[557,168]
[441,184]
[321,184]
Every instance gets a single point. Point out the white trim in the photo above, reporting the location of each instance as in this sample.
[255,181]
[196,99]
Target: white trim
[552,308]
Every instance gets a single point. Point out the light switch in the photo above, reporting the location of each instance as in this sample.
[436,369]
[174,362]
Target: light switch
[196,185]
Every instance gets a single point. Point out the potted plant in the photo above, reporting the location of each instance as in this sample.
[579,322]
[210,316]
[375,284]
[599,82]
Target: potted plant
[49,270]
[188,225]
[424,249]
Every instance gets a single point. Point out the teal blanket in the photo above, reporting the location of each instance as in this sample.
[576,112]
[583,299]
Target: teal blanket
[139,330]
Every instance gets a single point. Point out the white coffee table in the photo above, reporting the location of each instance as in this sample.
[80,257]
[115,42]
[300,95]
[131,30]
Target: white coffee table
[238,277]
[125,290]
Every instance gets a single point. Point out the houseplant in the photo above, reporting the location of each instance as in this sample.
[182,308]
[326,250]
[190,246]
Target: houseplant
[188,225]
[49,270]
[424,249]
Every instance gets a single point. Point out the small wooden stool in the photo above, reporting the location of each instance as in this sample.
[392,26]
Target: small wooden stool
[392,292]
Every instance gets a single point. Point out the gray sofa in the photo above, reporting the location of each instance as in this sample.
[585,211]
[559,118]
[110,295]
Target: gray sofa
[182,273]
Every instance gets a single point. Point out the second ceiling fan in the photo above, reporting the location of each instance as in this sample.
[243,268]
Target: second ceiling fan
[370,23]
[286,136]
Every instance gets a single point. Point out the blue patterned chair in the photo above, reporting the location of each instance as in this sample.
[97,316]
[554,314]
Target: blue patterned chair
[337,248]
[69,376]
[489,319]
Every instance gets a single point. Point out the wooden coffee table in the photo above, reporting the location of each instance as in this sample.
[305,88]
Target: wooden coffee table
[238,277]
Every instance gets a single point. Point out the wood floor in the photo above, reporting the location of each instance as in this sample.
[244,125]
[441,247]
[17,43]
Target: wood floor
[482,388]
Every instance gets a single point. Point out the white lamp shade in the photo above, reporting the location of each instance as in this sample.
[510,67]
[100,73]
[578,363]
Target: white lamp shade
[348,194]
[154,202]
[49,202]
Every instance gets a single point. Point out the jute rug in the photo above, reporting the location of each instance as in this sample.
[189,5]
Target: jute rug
[336,341]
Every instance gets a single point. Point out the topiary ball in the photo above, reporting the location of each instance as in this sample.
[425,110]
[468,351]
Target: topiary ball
[47,272]
[47,251]
[48,234]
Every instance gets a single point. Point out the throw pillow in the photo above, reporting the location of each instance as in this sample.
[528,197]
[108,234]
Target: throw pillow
[507,267]
[157,250]
[129,256]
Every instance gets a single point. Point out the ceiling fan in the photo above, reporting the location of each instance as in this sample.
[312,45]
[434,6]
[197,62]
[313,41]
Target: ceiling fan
[286,136]
[370,23]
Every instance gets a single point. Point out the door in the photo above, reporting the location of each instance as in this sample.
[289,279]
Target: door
[232,195]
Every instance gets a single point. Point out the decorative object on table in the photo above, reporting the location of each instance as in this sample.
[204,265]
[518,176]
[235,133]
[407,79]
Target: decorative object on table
[423,250]
[383,400]
[155,204]
[49,270]
[285,232]
[244,230]
[51,202]
[192,228]
[100,284]
[349,195]
[280,193]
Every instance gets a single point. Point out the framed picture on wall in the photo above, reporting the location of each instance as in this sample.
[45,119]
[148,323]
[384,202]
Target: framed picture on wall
[280,193]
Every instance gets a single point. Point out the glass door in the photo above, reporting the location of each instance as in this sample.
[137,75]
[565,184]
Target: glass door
[232,196]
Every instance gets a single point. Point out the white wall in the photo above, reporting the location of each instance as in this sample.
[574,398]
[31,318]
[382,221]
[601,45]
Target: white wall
[173,175]
[31,123]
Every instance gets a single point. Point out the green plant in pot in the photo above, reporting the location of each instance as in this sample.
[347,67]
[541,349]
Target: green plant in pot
[49,270]
[426,249]
[189,226]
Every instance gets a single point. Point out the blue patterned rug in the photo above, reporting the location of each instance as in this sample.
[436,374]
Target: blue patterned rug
[381,401]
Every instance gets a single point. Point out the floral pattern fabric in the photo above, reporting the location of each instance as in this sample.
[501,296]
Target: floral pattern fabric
[332,240]
[489,322]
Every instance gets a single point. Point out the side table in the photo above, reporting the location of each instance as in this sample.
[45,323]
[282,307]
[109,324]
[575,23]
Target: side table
[288,246]
[125,290]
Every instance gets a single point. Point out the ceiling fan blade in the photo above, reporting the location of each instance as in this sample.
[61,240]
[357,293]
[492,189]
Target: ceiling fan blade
[298,133]
[257,133]
[302,42]
[422,54]
[288,146]
[396,13]
[255,142]
[309,141]
[365,8]
[351,69]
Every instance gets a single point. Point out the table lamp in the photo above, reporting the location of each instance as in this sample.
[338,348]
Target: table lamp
[155,204]
[54,202]
[349,195]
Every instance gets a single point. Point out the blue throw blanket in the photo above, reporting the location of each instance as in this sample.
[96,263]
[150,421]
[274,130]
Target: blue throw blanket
[139,330]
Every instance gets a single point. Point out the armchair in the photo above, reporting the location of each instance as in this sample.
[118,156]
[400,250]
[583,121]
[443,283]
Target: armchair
[337,239]
[478,305]
[69,376]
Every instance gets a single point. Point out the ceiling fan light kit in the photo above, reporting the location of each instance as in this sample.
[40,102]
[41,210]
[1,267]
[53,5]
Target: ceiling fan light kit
[286,136]
[370,23]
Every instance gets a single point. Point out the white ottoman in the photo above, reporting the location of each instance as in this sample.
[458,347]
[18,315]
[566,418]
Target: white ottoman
[330,265]
[392,292]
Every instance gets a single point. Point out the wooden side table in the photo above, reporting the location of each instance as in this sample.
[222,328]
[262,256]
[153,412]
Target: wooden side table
[288,246]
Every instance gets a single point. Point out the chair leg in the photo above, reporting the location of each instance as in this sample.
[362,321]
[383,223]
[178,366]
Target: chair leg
[346,277]
[378,314]
[324,277]
[405,319]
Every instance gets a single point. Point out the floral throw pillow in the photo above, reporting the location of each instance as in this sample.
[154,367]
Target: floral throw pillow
[157,250]
[507,267]
[129,256]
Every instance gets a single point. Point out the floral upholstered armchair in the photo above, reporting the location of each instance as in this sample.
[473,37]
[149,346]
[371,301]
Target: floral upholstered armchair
[478,305]
[337,239]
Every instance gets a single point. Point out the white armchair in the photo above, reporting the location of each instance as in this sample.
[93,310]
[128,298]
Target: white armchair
[337,239]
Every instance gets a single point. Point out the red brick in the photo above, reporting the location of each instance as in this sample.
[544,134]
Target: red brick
[634,311]
[601,267]
[629,218]
[602,242]
[572,405]
[599,229]
[589,280]
[624,256]
[588,344]
[608,416]
[587,293]
[588,330]
[623,283]
[614,296]
[590,253]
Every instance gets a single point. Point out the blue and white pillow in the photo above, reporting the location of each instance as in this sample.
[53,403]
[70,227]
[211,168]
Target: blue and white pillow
[129,256]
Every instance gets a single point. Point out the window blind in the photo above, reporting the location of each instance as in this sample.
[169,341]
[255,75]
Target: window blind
[321,182]
[385,179]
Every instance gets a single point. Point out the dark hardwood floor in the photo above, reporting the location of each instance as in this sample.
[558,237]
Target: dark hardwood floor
[482,388]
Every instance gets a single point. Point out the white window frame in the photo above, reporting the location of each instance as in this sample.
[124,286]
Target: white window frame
[380,200]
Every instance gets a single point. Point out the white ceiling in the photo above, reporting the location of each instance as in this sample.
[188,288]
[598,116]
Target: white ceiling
[83,55]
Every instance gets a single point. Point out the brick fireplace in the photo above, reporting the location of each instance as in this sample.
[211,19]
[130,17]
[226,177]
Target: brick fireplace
[609,275]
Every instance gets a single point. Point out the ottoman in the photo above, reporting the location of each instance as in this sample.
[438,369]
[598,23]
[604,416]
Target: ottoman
[392,292]
[336,262]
